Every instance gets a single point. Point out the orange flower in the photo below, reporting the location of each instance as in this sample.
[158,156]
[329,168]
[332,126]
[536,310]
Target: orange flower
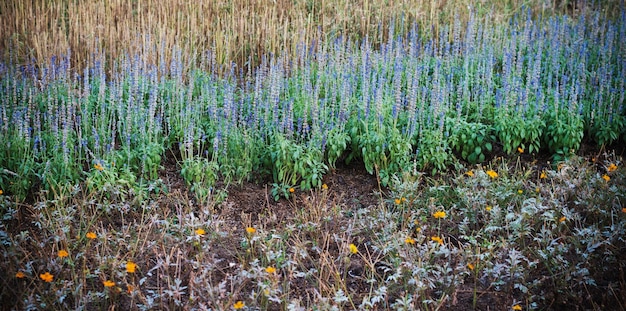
[437,239]
[516,308]
[324,186]
[63,253]
[409,241]
[492,174]
[397,201]
[543,175]
[46,277]
[292,190]
[91,235]
[469,173]
[623,209]
[250,230]
[239,305]
[1,192]
[131,266]
[270,269]
[470,266]
[108,283]
[20,275]
[439,214]
[98,167]
[611,168]
[520,150]
[562,219]
[200,231]
[606,177]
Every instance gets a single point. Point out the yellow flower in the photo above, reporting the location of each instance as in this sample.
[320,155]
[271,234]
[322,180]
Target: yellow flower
[543,175]
[397,201]
[131,266]
[409,241]
[611,168]
[108,283]
[520,191]
[324,186]
[20,275]
[239,305]
[1,192]
[270,269]
[200,231]
[62,253]
[353,249]
[606,177]
[562,219]
[439,214]
[437,239]
[520,150]
[292,190]
[492,173]
[488,208]
[470,266]
[469,173]
[516,308]
[46,277]
[537,190]
[91,235]
[98,167]
[250,230]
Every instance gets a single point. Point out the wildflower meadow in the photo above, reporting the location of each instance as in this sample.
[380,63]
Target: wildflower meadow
[428,157]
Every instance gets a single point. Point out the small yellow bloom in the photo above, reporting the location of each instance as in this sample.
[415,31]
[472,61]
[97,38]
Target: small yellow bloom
[200,231]
[397,201]
[239,305]
[20,275]
[62,253]
[543,175]
[250,230]
[353,249]
[98,167]
[470,266]
[606,177]
[270,269]
[516,308]
[131,266]
[520,150]
[437,239]
[439,214]
[492,174]
[292,190]
[520,191]
[562,219]
[324,186]
[611,168]
[488,208]
[537,190]
[1,192]
[409,241]
[91,235]
[108,283]
[46,277]
[469,173]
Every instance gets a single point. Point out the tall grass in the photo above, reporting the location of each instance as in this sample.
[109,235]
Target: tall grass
[237,31]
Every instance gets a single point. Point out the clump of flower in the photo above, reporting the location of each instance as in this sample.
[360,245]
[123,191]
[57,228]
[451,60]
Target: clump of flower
[469,173]
[108,283]
[409,240]
[516,307]
[250,230]
[606,177]
[200,232]
[239,305]
[20,275]
[488,208]
[91,235]
[98,167]
[270,270]
[492,174]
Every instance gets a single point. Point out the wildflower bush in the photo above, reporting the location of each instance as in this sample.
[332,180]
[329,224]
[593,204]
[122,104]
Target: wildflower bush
[441,117]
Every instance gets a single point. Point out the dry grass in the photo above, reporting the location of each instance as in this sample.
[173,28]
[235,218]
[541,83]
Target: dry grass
[237,31]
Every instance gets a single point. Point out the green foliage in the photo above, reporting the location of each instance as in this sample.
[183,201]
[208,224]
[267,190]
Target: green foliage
[606,133]
[433,151]
[336,145]
[515,131]
[563,133]
[471,139]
